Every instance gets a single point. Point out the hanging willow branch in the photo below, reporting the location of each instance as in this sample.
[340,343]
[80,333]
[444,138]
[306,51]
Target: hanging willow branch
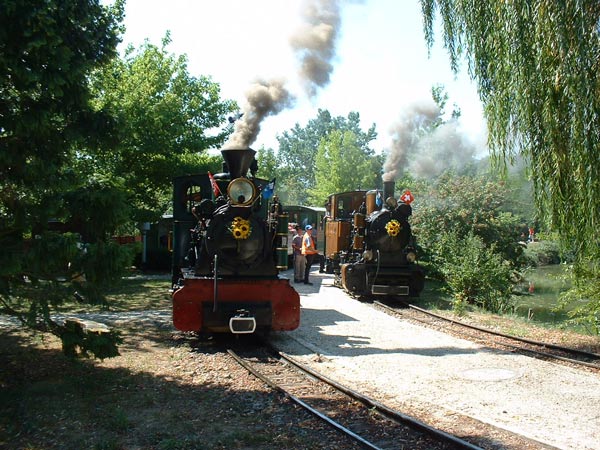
[536,64]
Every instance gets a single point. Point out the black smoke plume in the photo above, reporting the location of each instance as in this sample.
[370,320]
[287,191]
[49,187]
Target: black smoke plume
[314,43]
[263,99]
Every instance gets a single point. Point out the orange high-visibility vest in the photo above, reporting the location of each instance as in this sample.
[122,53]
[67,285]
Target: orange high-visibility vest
[308,249]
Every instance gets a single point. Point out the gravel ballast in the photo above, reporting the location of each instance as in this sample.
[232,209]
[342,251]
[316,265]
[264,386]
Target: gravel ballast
[400,363]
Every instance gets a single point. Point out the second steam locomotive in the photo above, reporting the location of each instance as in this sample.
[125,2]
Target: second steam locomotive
[230,242]
[369,243]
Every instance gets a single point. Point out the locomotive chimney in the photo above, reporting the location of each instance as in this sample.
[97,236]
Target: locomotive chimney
[388,189]
[238,161]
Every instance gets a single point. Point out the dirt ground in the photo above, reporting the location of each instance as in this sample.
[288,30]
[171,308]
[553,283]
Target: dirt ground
[165,391]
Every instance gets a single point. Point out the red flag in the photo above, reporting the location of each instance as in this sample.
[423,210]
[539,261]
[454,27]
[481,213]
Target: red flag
[214,184]
[407,197]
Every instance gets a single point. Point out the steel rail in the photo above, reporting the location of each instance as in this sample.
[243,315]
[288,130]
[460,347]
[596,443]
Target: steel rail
[572,351]
[381,408]
[304,405]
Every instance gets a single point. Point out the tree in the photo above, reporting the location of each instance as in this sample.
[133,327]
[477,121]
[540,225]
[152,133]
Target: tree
[466,205]
[298,150]
[341,165]
[48,51]
[267,163]
[536,65]
[163,113]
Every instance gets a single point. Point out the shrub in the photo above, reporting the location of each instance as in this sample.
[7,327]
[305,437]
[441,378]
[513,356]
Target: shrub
[473,273]
[466,205]
[542,253]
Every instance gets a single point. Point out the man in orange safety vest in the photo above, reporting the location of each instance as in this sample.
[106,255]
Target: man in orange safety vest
[309,250]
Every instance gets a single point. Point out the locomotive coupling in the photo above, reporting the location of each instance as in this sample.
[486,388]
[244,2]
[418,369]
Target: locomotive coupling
[242,323]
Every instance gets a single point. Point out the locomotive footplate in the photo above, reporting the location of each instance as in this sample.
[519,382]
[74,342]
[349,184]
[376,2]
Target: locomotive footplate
[239,317]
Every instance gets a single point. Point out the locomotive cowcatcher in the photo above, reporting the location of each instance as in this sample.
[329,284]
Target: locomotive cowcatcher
[369,244]
[229,244]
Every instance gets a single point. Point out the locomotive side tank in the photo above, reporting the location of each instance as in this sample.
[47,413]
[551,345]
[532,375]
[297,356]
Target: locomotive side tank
[370,246]
[230,242]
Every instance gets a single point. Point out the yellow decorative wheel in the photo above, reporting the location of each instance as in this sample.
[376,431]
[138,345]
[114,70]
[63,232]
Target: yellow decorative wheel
[240,228]
[393,228]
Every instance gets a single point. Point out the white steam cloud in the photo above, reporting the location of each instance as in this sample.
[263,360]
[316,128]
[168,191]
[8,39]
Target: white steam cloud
[425,153]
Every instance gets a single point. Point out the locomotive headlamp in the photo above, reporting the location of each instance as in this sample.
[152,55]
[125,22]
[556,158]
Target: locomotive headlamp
[368,255]
[241,191]
[411,257]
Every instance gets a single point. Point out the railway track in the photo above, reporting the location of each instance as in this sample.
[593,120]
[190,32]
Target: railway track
[537,349]
[367,423]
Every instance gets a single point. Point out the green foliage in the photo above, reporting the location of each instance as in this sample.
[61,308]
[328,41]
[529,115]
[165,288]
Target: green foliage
[103,264]
[542,253]
[48,52]
[583,299]
[162,115]
[440,97]
[466,239]
[465,205]
[340,165]
[537,69]
[298,149]
[97,208]
[536,65]
[267,163]
[79,342]
[474,273]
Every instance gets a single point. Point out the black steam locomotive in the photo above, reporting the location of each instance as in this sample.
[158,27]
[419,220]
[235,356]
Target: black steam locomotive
[229,244]
[369,244]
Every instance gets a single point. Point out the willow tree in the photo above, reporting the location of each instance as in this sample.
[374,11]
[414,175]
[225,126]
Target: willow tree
[536,64]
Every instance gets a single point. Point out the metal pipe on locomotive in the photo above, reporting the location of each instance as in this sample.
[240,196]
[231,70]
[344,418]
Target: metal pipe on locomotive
[369,243]
[228,250]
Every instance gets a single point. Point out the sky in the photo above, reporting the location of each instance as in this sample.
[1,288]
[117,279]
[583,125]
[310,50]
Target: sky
[380,65]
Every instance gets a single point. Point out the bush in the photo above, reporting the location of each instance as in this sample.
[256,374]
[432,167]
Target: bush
[473,273]
[542,253]
[464,205]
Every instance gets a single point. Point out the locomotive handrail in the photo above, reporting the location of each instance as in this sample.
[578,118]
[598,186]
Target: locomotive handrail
[215,283]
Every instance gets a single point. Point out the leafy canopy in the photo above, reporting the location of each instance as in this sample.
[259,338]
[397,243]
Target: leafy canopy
[298,149]
[342,165]
[48,51]
[163,115]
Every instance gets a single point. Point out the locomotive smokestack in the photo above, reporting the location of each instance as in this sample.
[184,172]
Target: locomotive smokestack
[238,161]
[388,189]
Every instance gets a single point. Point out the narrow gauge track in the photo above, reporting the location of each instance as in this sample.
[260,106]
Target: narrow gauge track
[536,348]
[347,411]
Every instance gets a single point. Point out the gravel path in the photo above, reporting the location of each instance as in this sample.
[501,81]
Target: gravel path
[405,364]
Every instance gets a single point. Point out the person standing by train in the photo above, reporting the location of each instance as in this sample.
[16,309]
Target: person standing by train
[309,250]
[299,258]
